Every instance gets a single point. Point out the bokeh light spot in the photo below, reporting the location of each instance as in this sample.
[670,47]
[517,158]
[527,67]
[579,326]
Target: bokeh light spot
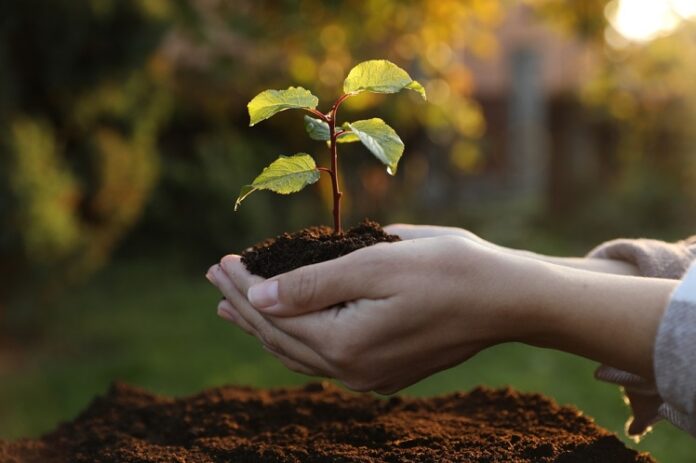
[465,156]
[303,68]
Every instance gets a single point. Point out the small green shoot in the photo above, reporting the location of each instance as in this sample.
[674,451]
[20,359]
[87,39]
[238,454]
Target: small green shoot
[290,174]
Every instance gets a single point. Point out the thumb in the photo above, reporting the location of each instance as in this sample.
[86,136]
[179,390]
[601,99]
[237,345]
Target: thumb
[313,287]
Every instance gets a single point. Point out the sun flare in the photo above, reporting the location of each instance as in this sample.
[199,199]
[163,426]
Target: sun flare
[645,20]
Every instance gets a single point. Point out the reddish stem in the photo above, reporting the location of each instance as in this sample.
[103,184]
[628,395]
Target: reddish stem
[338,103]
[319,114]
[334,173]
[330,118]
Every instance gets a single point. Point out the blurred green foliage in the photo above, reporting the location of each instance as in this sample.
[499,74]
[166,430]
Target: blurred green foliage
[128,120]
[646,96]
[641,99]
[80,115]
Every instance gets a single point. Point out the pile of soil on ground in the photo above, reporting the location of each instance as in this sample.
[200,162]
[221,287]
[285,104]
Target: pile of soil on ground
[310,246]
[322,423]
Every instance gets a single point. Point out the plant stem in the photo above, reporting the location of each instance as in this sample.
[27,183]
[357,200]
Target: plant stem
[334,173]
[330,118]
[319,114]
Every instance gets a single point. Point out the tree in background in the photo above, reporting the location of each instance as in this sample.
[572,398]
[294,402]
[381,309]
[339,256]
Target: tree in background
[642,99]
[647,95]
[80,113]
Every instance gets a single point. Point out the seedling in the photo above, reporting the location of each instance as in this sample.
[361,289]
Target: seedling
[290,174]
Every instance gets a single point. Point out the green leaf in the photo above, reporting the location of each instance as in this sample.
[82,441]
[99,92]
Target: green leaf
[416,87]
[285,175]
[270,102]
[319,130]
[381,140]
[316,128]
[347,137]
[380,76]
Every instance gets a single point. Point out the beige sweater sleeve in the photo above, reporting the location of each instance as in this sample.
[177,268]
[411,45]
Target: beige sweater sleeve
[653,258]
[673,394]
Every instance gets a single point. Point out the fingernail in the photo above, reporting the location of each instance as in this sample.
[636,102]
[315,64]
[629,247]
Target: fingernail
[222,313]
[264,294]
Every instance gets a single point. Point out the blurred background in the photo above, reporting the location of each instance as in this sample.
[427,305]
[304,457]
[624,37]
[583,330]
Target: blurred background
[551,125]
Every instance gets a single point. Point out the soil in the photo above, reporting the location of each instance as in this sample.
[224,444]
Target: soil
[310,246]
[322,423]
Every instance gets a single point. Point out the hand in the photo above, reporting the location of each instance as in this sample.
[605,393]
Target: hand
[384,317]
[617,267]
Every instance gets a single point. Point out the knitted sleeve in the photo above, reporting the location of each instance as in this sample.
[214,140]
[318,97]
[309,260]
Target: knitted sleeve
[653,258]
[675,356]
[673,394]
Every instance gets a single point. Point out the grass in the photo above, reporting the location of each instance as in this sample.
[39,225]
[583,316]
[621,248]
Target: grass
[153,325]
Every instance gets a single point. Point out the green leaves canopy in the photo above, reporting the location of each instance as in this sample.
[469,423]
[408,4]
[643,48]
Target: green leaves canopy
[285,175]
[380,76]
[291,174]
[381,140]
[270,102]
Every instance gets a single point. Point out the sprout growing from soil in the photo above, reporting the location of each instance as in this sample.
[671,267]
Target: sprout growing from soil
[290,174]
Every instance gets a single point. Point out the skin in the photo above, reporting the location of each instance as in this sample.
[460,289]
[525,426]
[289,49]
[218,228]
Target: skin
[382,318]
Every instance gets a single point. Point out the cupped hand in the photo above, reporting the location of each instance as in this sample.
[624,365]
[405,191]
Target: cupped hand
[384,317]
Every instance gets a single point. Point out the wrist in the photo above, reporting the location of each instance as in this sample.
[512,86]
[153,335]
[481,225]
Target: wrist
[534,320]
[611,319]
[511,288]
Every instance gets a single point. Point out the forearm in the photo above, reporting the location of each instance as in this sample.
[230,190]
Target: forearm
[612,266]
[611,319]
[605,265]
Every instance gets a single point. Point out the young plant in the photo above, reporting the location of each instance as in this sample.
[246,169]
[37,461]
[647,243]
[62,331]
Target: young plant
[290,174]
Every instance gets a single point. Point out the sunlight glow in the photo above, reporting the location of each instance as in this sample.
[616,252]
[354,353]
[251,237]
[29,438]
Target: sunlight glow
[644,20]
[685,8]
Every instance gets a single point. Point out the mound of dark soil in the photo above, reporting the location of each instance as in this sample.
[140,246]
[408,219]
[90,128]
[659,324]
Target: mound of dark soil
[310,246]
[322,423]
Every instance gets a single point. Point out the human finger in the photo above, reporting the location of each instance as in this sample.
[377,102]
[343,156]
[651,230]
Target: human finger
[229,313]
[226,311]
[293,365]
[315,287]
[232,265]
[265,330]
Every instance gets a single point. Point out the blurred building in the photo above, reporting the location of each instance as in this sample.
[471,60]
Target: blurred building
[538,141]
